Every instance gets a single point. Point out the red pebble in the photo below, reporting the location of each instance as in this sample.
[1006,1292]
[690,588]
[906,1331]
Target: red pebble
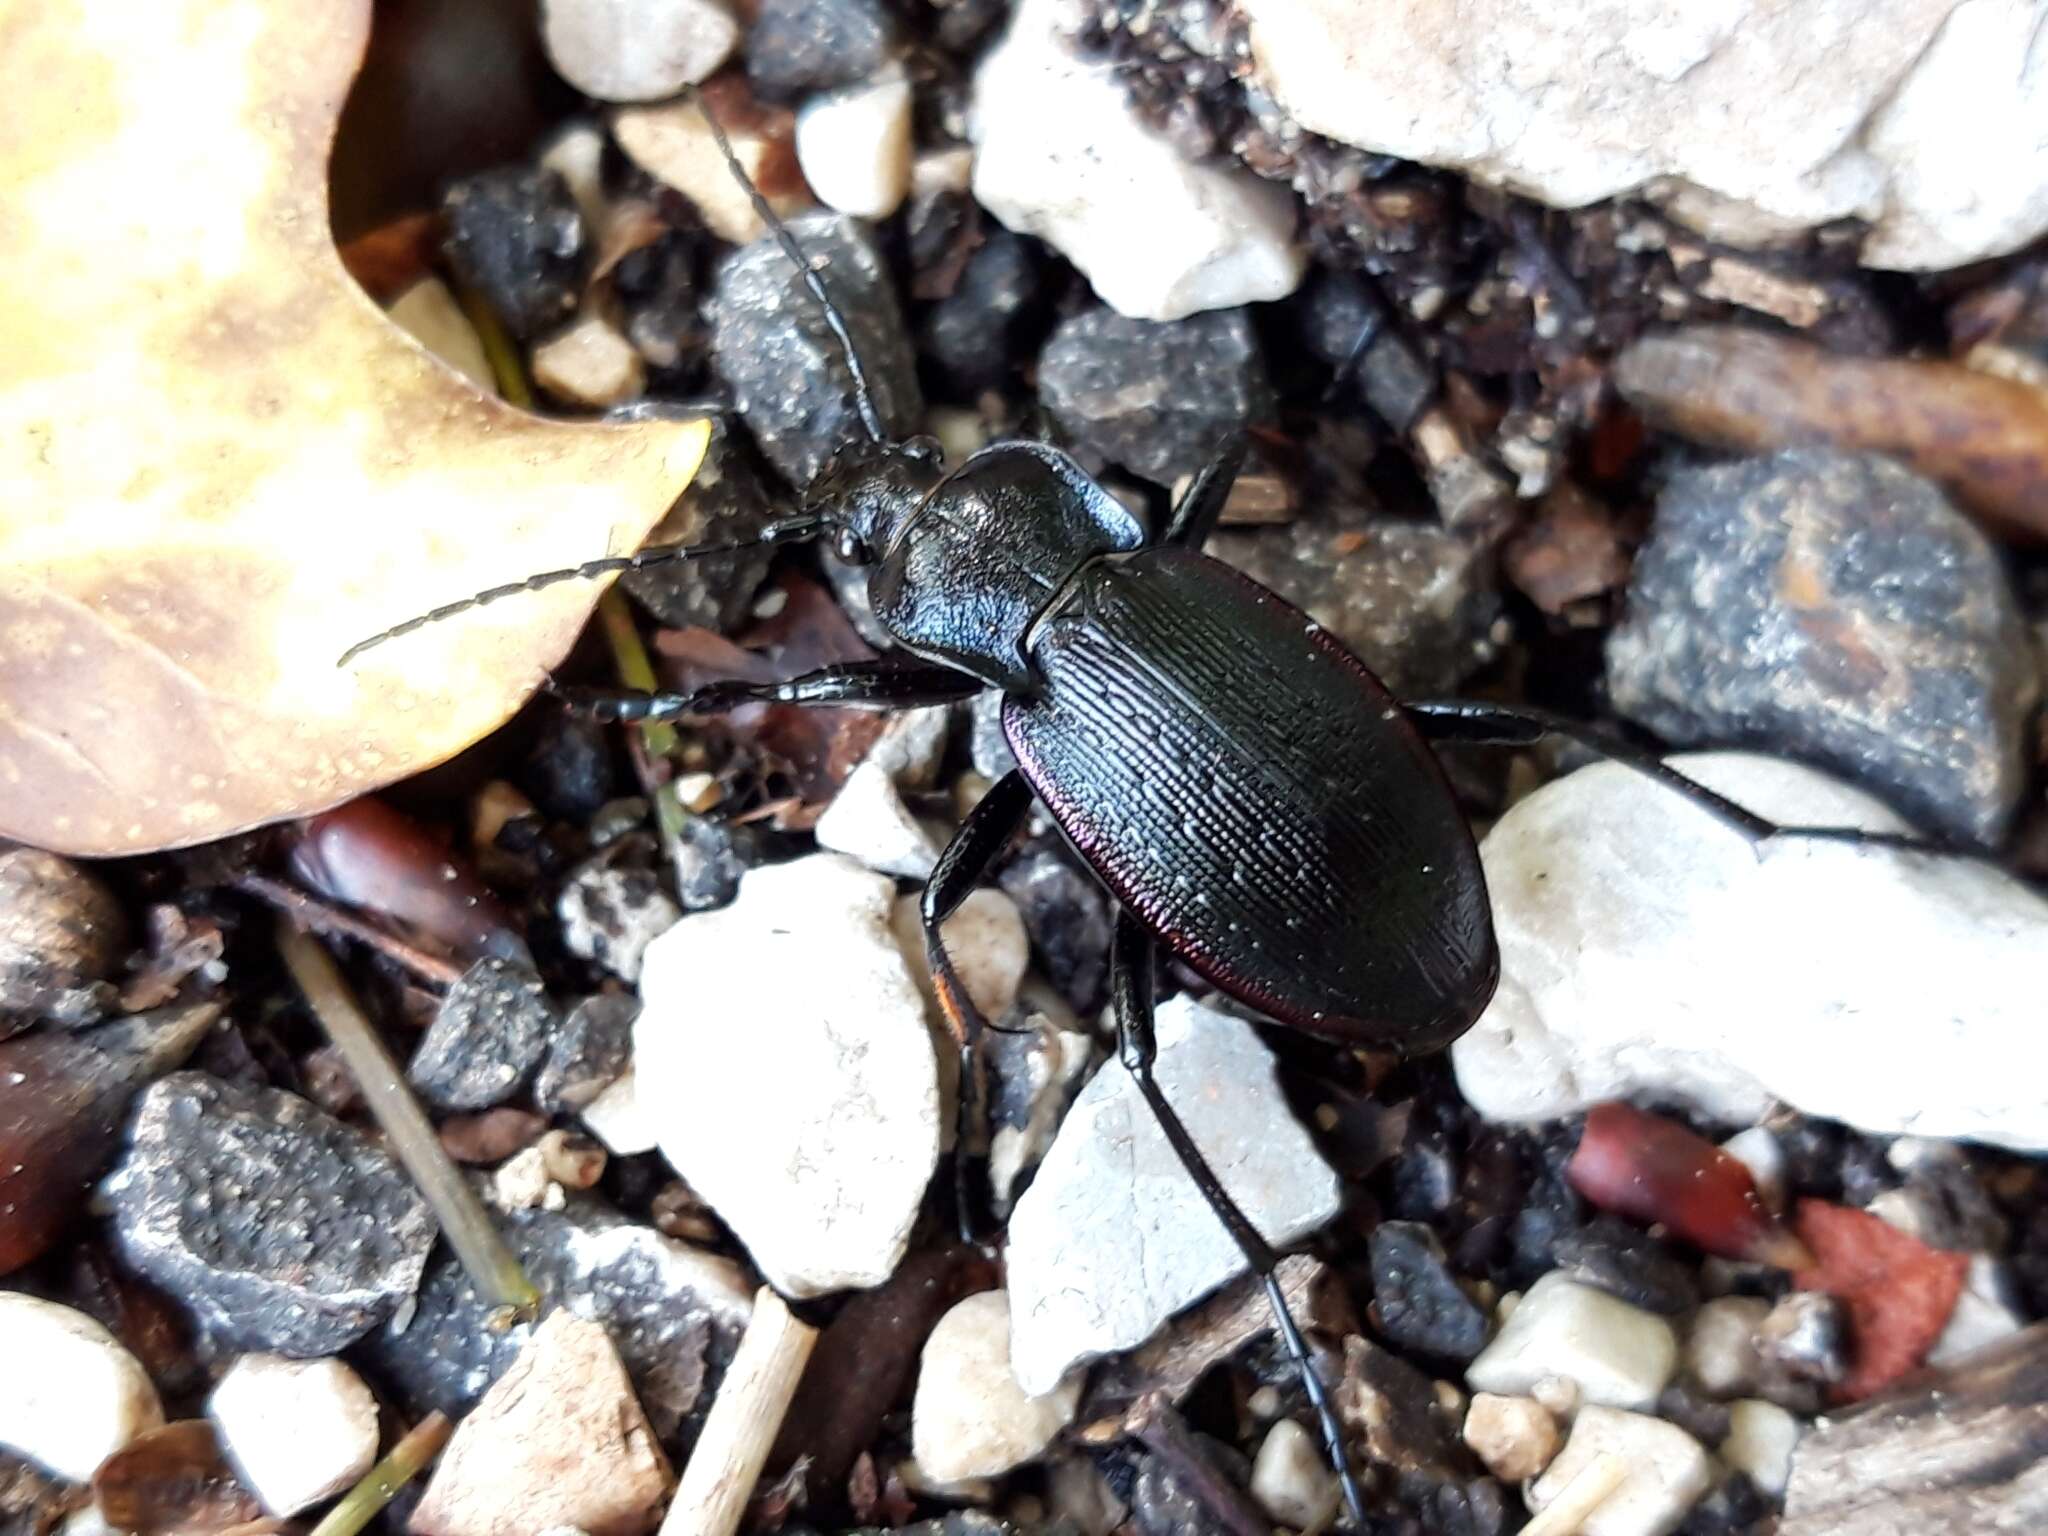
[365,854]
[1899,1292]
[1655,1170]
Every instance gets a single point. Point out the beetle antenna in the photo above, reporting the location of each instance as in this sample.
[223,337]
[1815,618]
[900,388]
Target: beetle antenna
[813,279]
[789,531]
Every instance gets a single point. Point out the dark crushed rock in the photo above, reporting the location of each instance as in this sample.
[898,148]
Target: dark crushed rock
[1395,1408]
[1705,1418]
[969,335]
[1157,397]
[1834,607]
[658,297]
[588,1054]
[795,46]
[61,934]
[1067,915]
[1623,1260]
[568,770]
[963,1522]
[277,1225]
[1732,1507]
[777,355]
[1418,1301]
[1337,310]
[710,857]
[1476,1506]
[1161,1504]
[515,235]
[1417,602]
[674,1312]
[727,501]
[492,1030]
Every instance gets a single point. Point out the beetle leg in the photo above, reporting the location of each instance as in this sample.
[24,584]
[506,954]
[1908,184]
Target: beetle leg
[964,865]
[1130,991]
[880,684]
[1194,515]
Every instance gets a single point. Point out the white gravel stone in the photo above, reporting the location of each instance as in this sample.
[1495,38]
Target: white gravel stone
[1515,1436]
[1927,118]
[576,154]
[298,1431]
[672,142]
[1668,1472]
[1619,906]
[1758,1150]
[428,312]
[591,363]
[522,1183]
[868,818]
[970,1418]
[70,1395]
[1761,1438]
[1061,154]
[1113,1237]
[1619,1355]
[783,1050]
[1291,1480]
[636,50]
[610,915]
[1986,1312]
[853,146]
[616,1118]
[1720,1348]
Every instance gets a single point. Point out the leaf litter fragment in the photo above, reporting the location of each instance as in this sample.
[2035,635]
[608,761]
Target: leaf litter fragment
[220,465]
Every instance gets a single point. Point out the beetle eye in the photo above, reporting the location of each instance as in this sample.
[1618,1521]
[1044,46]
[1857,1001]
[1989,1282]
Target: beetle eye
[850,547]
[925,450]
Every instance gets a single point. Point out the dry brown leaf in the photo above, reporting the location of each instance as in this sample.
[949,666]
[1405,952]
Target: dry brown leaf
[220,465]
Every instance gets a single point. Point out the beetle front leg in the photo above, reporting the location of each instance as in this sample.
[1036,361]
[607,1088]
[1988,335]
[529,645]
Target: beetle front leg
[873,684]
[966,862]
[1130,992]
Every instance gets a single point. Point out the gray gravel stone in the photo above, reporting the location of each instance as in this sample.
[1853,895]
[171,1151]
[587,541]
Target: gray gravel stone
[1418,1301]
[795,46]
[777,355]
[492,1030]
[1156,397]
[516,236]
[1067,915]
[1416,601]
[675,1313]
[1612,1256]
[1834,607]
[588,1054]
[277,1225]
[726,500]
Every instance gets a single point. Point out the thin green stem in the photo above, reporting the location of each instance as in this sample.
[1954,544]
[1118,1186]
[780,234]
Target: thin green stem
[380,1485]
[491,1265]
[500,351]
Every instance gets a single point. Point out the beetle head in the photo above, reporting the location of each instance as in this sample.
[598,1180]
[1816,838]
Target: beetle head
[869,490]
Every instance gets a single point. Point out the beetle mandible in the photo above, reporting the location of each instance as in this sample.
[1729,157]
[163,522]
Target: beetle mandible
[1257,802]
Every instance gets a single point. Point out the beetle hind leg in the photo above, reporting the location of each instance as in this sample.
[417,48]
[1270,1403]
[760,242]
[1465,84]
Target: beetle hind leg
[964,865]
[1130,989]
[1195,514]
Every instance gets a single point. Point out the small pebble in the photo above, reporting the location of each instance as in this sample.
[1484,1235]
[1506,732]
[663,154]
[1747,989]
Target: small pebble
[1032,1078]
[969,334]
[297,1431]
[590,364]
[1061,153]
[795,46]
[673,143]
[674,1312]
[784,1052]
[854,147]
[1112,1238]
[636,50]
[774,350]
[1418,1301]
[525,1184]
[559,1440]
[61,932]
[517,237]
[1612,1256]
[429,314]
[970,1418]
[617,1118]
[279,1227]
[1156,397]
[1758,1150]
[1986,1312]
[611,913]
[1834,608]
[1618,1354]
[1761,1439]
[574,1162]
[1067,916]
[1668,1472]
[492,1030]
[1515,1436]
[1291,1479]
[587,1054]
[1806,1336]
[727,501]
[1720,1348]
[74,1396]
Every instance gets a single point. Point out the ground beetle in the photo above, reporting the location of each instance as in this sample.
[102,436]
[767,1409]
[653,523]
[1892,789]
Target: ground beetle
[1256,800]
